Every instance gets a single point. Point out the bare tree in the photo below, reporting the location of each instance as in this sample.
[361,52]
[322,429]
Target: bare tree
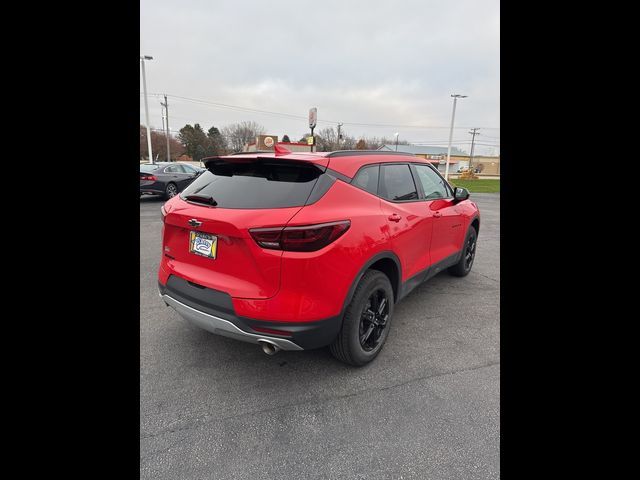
[159,145]
[238,135]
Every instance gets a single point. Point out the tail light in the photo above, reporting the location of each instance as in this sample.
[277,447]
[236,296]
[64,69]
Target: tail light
[164,212]
[149,177]
[307,238]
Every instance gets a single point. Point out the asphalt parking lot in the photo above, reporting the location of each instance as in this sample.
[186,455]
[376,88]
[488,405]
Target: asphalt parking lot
[427,407]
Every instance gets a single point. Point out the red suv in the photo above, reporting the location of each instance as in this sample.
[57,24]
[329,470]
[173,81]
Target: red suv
[296,251]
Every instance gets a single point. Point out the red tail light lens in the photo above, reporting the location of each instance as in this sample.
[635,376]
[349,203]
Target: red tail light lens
[307,238]
[149,177]
[163,212]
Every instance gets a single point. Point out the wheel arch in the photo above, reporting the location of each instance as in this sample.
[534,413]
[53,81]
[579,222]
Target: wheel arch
[386,262]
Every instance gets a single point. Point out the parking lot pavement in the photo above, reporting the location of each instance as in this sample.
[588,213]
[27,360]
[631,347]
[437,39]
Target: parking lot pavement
[427,407]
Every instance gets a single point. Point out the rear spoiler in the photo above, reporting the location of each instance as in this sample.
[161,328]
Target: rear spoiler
[320,162]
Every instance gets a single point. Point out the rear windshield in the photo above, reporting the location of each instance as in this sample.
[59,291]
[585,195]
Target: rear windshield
[148,168]
[256,184]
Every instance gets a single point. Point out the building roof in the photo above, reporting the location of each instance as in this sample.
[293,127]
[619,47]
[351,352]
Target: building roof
[422,149]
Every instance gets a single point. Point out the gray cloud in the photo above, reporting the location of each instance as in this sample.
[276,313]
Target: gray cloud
[357,61]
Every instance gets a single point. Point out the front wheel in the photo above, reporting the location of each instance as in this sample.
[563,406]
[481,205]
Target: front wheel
[365,326]
[463,267]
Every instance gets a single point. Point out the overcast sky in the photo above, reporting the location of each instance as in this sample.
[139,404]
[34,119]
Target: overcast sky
[390,64]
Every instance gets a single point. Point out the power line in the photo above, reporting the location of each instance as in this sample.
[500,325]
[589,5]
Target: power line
[294,116]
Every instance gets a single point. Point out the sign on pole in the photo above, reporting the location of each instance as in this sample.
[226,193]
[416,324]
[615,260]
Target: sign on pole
[313,117]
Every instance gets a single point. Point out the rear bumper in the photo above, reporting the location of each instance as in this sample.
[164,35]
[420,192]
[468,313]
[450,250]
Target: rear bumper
[213,311]
[223,327]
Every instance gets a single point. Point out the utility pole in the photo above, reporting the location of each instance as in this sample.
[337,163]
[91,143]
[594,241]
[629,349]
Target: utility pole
[339,125]
[166,109]
[453,116]
[473,132]
[397,135]
[146,105]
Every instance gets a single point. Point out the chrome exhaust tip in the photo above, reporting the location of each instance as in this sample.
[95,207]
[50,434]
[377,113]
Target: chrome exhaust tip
[268,347]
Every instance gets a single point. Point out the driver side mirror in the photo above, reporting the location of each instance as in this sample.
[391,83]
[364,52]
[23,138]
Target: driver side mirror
[460,194]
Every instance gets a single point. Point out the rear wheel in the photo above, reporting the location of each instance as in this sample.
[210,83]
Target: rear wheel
[463,267]
[171,191]
[365,326]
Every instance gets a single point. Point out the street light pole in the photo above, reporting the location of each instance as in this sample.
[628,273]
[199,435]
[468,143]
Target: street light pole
[396,134]
[146,105]
[453,116]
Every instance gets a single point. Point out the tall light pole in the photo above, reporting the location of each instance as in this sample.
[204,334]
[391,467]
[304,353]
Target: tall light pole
[453,116]
[146,105]
[396,135]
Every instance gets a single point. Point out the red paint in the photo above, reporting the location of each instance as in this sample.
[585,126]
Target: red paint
[298,286]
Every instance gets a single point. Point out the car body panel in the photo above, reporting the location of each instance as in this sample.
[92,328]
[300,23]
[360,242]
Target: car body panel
[289,287]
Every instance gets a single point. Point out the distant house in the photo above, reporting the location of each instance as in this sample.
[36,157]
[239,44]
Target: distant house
[265,143]
[459,159]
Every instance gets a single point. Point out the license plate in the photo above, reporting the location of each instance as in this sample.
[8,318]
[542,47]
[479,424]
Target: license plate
[203,244]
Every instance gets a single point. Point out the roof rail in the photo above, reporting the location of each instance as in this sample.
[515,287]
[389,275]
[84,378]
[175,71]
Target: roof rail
[353,153]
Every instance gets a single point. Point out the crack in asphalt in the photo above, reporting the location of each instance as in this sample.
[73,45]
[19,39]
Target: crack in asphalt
[205,420]
[477,273]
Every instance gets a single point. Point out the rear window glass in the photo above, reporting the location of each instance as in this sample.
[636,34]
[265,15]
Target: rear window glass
[148,168]
[256,184]
[367,179]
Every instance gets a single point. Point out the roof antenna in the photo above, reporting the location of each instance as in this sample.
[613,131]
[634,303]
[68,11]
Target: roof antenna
[280,150]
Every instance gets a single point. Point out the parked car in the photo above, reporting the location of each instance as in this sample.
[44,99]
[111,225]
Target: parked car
[297,251]
[166,178]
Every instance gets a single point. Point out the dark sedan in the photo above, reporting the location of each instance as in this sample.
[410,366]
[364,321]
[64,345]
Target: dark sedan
[166,179]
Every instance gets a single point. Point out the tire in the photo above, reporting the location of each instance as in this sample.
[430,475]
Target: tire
[170,191]
[357,322]
[463,267]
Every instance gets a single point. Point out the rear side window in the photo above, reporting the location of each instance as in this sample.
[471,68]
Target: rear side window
[396,183]
[256,184]
[432,184]
[367,179]
[174,169]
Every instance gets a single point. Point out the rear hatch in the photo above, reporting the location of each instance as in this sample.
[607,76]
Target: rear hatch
[231,197]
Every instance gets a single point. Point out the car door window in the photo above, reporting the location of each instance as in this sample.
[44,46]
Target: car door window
[433,185]
[396,183]
[367,179]
[189,169]
[174,169]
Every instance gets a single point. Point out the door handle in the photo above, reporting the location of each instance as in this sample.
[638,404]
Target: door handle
[395,217]
[437,214]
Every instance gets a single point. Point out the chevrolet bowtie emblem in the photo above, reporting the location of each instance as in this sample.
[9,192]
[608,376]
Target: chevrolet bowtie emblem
[194,223]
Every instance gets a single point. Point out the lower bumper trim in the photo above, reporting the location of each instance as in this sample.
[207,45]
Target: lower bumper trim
[220,326]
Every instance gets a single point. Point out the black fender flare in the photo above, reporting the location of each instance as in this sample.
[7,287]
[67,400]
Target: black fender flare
[379,256]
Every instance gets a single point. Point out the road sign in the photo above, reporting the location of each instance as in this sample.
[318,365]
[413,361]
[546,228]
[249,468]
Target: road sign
[311,140]
[313,117]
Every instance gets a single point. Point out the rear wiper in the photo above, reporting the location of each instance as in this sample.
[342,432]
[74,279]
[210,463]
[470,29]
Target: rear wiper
[206,199]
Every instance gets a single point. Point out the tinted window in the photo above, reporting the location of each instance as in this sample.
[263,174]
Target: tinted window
[174,169]
[188,168]
[148,168]
[433,185]
[396,183]
[256,184]
[367,179]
